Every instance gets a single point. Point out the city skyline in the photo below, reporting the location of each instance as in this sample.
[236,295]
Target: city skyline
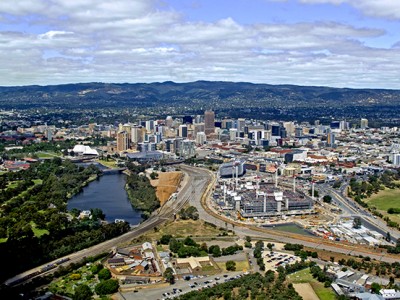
[339,43]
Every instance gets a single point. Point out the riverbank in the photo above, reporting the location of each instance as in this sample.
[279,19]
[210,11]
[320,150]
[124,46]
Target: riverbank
[107,193]
[141,194]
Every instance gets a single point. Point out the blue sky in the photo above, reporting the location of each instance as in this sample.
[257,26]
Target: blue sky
[341,43]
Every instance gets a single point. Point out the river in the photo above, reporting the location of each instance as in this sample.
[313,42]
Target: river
[108,194]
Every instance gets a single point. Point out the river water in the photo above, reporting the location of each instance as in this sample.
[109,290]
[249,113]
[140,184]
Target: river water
[108,194]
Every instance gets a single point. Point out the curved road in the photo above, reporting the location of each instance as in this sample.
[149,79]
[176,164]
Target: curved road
[203,176]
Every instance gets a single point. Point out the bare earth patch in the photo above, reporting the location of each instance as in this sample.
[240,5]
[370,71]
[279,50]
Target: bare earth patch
[166,184]
[305,291]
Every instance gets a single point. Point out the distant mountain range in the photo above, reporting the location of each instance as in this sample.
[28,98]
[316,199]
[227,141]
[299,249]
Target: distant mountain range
[233,99]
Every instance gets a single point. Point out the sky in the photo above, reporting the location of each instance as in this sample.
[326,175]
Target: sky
[338,43]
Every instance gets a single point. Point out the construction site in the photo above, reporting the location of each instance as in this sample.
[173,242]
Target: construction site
[257,197]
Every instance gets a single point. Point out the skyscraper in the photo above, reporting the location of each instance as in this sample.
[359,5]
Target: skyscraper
[122,141]
[364,123]
[209,119]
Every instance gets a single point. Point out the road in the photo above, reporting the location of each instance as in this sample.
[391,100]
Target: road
[207,214]
[353,208]
[160,216]
[196,189]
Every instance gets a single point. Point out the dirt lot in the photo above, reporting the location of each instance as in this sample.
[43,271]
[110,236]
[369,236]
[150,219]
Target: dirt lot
[166,184]
[305,291]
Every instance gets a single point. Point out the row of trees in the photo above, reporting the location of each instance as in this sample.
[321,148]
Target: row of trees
[252,286]
[188,247]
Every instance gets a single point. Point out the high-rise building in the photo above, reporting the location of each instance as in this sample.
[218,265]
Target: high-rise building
[200,138]
[136,134]
[209,119]
[183,131]
[122,141]
[169,121]
[364,123]
[330,139]
[187,120]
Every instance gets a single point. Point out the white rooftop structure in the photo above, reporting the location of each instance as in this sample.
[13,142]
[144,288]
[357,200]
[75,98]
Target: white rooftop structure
[84,150]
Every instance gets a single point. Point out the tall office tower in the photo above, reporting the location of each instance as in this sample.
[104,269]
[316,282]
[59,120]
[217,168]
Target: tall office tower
[364,123]
[136,134]
[150,125]
[169,121]
[241,123]
[233,133]
[183,131]
[275,130]
[343,125]
[187,120]
[330,139]
[201,138]
[198,127]
[266,134]
[298,131]
[122,141]
[226,124]
[209,119]
[335,125]
[198,119]
[289,126]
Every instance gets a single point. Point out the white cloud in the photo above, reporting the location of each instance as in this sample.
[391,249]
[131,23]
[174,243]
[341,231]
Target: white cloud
[132,41]
[376,8]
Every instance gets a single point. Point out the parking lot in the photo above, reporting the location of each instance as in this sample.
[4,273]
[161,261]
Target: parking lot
[275,259]
[180,287]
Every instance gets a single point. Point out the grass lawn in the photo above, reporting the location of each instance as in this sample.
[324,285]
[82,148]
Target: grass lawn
[46,154]
[322,292]
[384,200]
[38,181]
[110,163]
[241,265]
[38,232]
[12,184]
[304,276]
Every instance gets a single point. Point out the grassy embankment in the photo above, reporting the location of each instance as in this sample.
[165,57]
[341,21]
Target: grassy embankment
[384,200]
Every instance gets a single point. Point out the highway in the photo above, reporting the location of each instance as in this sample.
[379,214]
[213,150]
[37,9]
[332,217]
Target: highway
[354,209]
[242,230]
[196,189]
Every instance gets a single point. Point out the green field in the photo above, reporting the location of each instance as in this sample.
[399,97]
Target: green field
[384,200]
[38,232]
[322,292]
[304,276]
[46,154]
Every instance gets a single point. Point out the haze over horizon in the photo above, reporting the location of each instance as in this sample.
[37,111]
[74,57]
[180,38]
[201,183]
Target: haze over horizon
[338,43]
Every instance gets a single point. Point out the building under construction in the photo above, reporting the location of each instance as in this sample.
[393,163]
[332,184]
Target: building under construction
[261,199]
[232,169]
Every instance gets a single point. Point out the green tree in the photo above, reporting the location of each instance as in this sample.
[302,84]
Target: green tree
[82,292]
[104,274]
[375,287]
[357,223]
[327,199]
[230,265]
[107,287]
[215,250]
[169,275]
